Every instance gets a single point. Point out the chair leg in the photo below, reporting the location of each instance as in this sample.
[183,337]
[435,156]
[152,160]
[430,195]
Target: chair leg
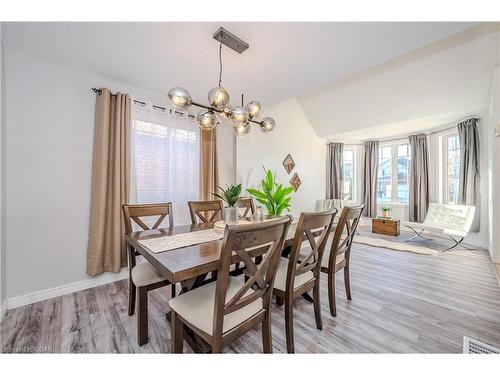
[331,292]
[347,282]
[317,306]
[217,345]
[131,297]
[267,340]
[290,347]
[177,334]
[142,316]
[279,301]
[173,290]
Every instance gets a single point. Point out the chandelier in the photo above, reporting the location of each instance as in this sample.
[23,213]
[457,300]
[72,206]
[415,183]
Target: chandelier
[219,110]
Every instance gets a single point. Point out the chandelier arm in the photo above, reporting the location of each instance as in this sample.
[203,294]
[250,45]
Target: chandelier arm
[219,111]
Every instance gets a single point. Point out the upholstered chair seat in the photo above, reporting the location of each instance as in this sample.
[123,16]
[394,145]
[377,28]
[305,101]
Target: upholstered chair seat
[280,281]
[144,274]
[197,306]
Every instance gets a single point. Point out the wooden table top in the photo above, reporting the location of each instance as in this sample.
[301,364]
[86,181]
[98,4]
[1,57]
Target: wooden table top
[187,262]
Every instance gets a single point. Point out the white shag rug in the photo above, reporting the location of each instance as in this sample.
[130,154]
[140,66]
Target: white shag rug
[395,245]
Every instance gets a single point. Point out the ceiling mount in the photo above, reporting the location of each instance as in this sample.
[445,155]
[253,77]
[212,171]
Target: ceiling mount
[230,40]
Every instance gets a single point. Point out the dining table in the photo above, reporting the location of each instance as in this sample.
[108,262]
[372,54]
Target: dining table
[190,265]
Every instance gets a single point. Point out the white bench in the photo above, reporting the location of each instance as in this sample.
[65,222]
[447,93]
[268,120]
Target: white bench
[451,220]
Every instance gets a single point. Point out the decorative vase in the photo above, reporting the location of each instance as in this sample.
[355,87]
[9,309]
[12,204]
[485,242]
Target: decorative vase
[386,213]
[230,215]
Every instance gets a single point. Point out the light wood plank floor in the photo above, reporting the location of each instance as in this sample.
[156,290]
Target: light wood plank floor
[402,303]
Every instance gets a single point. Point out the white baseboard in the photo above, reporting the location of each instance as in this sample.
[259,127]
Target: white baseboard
[58,291]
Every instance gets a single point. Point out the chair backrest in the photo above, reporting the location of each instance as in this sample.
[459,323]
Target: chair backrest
[450,216]
[134,213]
[246,242]
[313,227]
[247,206]
[348,222]
[205,211]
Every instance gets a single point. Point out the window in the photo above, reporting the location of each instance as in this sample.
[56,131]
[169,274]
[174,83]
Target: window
[452,168]
[348,175]
[165,161]
[393,173]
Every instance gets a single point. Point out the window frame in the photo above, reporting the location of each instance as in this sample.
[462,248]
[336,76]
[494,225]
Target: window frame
[445,164]
[353,177]
[394,200]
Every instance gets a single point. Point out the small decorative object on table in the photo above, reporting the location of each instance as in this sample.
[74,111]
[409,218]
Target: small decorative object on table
[382,225]
[273,196]
[386,212]
[230,195]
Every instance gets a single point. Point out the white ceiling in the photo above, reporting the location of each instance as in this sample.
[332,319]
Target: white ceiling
[284,59]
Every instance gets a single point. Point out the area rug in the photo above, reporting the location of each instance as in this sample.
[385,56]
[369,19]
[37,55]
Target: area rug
[394,245]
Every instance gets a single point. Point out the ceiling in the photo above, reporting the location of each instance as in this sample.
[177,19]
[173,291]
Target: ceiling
[284,59]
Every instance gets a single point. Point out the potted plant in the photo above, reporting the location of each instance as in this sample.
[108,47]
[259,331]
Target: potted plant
[230,195]
[386,211]
[273,196]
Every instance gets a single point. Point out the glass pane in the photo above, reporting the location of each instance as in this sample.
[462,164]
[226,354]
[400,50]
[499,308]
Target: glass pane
[452,168]
[166,166]
[348,171]
[384,177]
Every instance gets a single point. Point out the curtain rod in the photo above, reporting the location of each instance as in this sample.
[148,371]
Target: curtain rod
[143,103]
[406,138]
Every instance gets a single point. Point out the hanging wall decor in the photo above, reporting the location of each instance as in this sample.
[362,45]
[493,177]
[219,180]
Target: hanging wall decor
[288,163]
[295,181]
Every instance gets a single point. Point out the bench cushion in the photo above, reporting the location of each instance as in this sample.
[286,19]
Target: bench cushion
[448,219]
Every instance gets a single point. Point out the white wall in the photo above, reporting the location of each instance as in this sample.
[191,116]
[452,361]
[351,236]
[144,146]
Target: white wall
[50,121]
[293,135]
[454,80]
[2,177]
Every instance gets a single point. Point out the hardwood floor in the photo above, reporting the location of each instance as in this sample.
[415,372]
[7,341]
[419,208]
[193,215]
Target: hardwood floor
[402,303]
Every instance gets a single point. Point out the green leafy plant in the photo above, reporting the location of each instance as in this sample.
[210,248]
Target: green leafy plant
[273,196]
[230,194]
[385,209]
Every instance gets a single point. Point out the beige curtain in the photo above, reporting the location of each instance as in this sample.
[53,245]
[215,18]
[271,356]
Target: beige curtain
[370,170]
[335,153]
[209,174]
[418,197]
[110,183]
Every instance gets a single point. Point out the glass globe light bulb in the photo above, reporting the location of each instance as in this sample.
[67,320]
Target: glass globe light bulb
[240,116]
[226,113]
[218,97]
[241,130]
[206,120]
[254,109]
[180,98]
[267,124]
